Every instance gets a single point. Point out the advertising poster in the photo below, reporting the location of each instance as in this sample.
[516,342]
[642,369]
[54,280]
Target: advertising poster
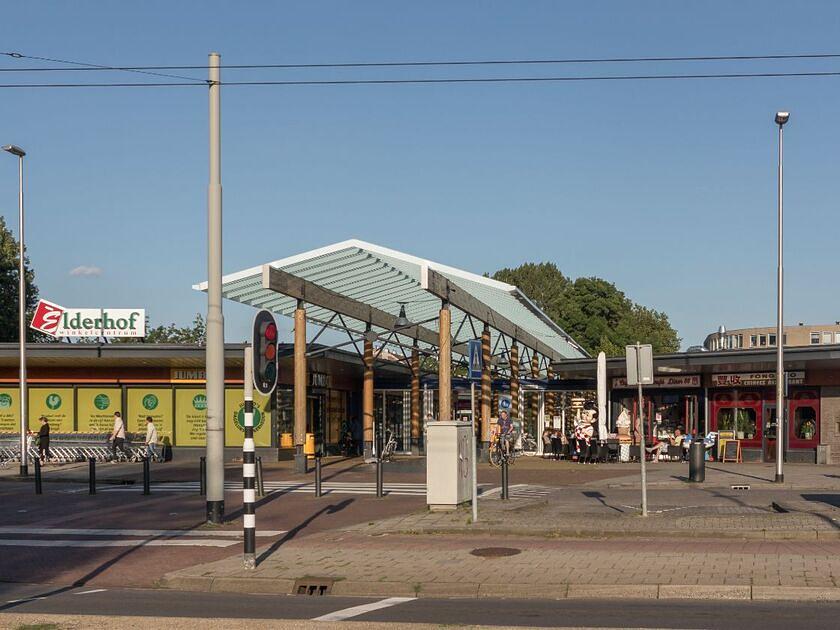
[56,403]
[190,417]
[154,402]
[235,418]
[96,407]
[9,410]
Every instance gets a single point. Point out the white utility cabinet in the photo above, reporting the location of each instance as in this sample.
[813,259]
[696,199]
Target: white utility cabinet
[448,464]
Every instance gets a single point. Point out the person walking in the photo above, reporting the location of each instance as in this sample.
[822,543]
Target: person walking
[151,438]
[117,436]
[44,440]
[546,439]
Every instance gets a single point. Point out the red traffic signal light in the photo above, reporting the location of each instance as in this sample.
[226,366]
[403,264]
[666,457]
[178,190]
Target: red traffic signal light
[265,352]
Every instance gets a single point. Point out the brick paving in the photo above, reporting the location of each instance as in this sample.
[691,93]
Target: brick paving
[716,551]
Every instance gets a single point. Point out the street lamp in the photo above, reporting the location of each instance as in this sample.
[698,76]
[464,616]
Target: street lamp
[24,468]
[781,119]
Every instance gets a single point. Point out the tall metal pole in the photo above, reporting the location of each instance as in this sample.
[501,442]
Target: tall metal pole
[215,321]
[641,429]
[19,153]
[24,463]
[474,455]
[780,339]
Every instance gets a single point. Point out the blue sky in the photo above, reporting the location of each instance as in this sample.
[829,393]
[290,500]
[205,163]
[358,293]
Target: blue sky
[665,188]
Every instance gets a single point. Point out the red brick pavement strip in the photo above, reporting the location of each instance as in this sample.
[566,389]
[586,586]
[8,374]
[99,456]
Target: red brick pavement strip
[299,514]
[443,567]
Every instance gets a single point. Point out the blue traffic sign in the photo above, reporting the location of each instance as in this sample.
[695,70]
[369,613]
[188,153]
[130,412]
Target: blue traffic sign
[476,364]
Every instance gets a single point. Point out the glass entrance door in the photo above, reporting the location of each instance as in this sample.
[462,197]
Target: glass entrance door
[768,442]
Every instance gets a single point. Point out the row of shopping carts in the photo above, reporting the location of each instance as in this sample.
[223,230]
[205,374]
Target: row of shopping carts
[69,448]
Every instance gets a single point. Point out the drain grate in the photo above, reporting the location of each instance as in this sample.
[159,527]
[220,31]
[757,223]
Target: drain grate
[495,552]
[739,487]
[313,586]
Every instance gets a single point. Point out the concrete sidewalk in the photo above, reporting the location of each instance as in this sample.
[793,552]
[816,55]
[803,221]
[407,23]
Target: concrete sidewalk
[589,545]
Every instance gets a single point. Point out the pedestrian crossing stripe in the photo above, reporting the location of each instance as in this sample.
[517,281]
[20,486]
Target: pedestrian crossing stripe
[402,489]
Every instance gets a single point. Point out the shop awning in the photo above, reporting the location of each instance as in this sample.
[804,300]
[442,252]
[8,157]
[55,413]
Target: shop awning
[353,284]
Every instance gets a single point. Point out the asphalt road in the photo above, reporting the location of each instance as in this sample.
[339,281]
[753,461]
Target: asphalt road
[721,615]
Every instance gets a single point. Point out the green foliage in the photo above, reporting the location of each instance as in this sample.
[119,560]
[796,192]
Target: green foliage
[9,288]
[194,334]
[593,311]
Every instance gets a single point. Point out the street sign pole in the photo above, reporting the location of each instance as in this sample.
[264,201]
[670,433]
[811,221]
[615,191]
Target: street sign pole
[641,431]
[639,368]
[475,372]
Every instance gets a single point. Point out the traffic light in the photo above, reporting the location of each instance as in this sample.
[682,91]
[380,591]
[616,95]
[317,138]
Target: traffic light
[265,352]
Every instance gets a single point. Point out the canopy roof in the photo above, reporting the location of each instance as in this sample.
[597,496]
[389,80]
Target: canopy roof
[354,285]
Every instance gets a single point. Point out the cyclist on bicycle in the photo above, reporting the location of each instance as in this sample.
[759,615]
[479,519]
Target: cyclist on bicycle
[505,432]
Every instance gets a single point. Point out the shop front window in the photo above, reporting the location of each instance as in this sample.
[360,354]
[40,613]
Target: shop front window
[741,421]
[805,423]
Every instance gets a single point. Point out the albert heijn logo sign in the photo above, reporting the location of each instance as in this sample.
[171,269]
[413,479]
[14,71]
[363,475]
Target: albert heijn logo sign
[58,321]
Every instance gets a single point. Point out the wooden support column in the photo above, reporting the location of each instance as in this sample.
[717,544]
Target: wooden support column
[486,388]
[445,363]
[367,400]
[300,386]
[514,380]
[550,396]
[416,430]
[535,397]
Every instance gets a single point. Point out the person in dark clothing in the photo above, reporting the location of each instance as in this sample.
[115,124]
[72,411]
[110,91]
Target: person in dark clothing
[44,440]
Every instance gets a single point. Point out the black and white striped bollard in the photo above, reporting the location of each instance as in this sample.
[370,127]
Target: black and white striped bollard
[249,468]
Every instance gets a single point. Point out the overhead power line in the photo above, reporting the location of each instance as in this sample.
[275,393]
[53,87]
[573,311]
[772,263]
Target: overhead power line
[638,77]
[397,64]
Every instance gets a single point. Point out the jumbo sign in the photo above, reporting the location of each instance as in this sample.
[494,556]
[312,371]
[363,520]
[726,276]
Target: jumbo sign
[58,321]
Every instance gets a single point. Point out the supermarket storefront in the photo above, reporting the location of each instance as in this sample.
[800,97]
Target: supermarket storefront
[78,387]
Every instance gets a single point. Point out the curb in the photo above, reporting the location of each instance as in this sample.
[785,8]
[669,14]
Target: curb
[734,534]
[475,590]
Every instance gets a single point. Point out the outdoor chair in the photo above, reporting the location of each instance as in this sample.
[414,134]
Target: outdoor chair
[675,453]
[603,453]
[635,453]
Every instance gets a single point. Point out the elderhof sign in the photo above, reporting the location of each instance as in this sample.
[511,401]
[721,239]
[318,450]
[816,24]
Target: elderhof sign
[680,380]
[58,321]
[756,379]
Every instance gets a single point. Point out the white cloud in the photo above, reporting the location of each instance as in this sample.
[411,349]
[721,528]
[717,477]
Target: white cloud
[86,271]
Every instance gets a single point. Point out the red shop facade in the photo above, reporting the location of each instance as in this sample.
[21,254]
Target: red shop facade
[745,404]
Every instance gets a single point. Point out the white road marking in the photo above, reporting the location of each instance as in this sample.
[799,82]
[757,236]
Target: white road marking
[25,599]
[56,542]
[355,611]
[95,590]
[337,487]
[202,533]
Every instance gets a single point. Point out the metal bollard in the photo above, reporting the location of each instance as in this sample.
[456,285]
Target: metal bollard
[318,492]
[202,482]
[91,475]
[38,489]
[380,492]
[260,486]
[146,476]
[697,462]
[505,496]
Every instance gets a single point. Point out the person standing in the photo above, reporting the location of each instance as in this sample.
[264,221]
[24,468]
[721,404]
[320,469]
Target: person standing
[44,440]
[117,436]
[151,438]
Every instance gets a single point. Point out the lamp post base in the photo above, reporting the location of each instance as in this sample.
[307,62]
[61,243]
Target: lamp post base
[780,478]
[215,512]
[24,470]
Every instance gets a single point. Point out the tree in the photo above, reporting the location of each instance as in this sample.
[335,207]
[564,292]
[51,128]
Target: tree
[9,298]
[195,334]
[593,311]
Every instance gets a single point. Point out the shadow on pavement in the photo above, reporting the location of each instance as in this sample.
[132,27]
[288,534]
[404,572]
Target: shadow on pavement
[737,474]
[330,509]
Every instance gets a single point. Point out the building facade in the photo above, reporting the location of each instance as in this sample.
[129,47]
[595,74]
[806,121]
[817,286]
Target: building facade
[765,337]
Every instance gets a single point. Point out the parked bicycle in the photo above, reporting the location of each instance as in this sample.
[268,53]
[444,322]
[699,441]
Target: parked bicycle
[390,447]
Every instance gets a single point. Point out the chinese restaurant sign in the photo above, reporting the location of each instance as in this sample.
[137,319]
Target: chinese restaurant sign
[755,379]
[681,380]
[58,321]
